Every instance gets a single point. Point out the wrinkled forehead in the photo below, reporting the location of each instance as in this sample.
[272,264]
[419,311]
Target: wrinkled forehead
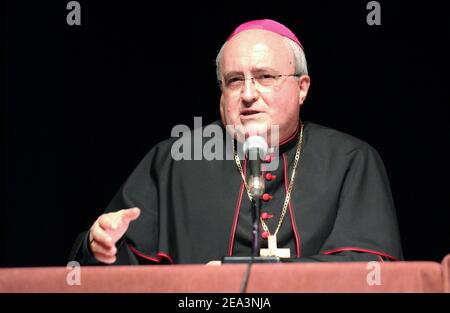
[255,48]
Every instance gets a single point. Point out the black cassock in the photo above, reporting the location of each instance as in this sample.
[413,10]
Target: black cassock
[195,211]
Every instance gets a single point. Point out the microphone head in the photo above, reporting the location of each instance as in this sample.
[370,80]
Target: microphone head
[255,142]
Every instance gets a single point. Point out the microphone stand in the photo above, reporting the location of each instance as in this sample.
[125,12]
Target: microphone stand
[254,258]
[256,212]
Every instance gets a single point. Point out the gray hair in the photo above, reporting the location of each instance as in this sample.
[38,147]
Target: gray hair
[301,67]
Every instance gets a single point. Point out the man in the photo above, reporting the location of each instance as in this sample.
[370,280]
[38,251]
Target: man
[327,200]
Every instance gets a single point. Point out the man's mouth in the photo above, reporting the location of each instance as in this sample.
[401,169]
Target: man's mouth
[249,112]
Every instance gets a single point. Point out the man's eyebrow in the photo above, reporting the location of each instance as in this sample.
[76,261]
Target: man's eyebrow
[232,73]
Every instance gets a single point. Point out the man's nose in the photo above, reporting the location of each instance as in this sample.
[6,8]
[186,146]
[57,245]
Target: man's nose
[249,92]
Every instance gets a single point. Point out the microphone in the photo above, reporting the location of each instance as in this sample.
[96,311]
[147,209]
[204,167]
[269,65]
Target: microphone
[255,147]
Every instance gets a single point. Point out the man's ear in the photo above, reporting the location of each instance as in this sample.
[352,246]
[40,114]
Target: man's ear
[303,82]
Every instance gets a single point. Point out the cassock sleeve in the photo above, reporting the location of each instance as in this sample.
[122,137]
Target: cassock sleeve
[142,189]
[365,227]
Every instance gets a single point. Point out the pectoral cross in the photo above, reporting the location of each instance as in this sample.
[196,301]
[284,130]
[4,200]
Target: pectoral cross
[272,249]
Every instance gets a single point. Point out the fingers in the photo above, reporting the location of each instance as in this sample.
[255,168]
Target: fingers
[108,221]
[101,236]
[131,214]
[101,245]
[113,221]
[107,230]
[97,248]
[105,258]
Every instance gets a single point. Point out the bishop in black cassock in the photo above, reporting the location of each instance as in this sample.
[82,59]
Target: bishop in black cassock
[341,208]
[195,211]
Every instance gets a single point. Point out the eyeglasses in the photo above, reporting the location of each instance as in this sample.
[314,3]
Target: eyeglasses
[263,82]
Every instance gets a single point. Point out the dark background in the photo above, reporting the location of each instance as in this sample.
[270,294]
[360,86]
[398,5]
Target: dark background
[81,105]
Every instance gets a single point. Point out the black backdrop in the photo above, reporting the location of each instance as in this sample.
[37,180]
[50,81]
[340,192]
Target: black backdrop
[82,105]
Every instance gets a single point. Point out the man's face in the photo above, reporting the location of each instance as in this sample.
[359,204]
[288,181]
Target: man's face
[252,106]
